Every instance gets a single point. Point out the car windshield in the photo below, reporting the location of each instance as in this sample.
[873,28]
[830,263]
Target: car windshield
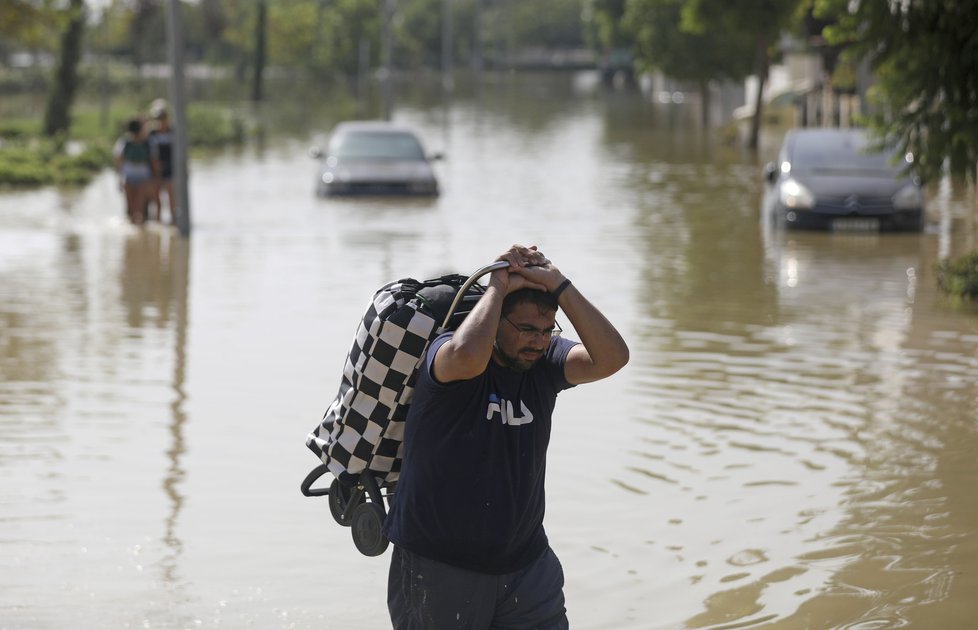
[377,145]
[840,153]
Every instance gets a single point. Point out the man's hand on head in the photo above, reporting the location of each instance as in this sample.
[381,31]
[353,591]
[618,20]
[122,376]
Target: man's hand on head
[540,271]
[520,258]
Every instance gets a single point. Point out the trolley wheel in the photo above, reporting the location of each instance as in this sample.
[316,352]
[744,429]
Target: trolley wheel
[339,502]
[366,528]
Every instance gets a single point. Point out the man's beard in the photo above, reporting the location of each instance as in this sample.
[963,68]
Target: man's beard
[514,362]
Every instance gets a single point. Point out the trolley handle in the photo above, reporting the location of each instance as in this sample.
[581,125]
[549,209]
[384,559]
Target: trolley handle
[499,264]
[313,475]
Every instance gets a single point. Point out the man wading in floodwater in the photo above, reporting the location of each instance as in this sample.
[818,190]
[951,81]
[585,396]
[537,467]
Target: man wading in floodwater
[467,516]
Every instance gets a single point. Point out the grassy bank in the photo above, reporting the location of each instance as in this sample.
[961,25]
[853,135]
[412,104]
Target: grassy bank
[29,159]
[219,114]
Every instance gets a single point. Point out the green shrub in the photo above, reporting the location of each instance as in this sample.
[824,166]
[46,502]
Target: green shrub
[213,126]
[16,172]
[17,129]
[94,157]
[39,162]
[960,277]
[72,175]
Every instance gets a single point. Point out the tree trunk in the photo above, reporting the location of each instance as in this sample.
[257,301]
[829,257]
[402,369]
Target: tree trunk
[762,64]
[57,116]
[256,86]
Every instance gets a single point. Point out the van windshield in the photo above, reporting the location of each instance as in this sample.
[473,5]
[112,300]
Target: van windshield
[833,152]
[377,145]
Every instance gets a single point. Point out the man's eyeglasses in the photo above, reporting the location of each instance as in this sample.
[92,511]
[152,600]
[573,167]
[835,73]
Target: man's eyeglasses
[529,332]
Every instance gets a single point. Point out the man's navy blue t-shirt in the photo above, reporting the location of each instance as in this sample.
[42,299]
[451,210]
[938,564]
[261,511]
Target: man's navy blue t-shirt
[471,488]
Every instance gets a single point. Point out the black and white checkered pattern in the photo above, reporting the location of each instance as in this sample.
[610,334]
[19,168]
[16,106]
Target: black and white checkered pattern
[363,428]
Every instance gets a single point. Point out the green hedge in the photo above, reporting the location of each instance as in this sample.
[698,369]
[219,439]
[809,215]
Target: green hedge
[27,159]
[959,277]
[36,162]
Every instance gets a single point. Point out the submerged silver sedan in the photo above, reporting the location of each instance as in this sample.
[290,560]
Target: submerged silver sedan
[375,158]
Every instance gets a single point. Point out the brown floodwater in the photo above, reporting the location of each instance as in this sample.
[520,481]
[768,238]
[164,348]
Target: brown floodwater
[793,444]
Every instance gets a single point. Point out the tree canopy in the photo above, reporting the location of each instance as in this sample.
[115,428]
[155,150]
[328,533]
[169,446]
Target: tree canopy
[705,40]
[329,35]
[34,24]
[670,36]
[924,54]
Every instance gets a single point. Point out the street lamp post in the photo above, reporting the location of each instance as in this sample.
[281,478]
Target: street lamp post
[386,53]
[178,101]
[447,56]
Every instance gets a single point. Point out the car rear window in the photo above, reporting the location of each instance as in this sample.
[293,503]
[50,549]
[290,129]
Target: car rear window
[373,145]
[833,152]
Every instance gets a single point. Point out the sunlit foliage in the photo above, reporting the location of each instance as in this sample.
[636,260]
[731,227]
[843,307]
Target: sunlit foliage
[610,32]
[924,55]
[33,24]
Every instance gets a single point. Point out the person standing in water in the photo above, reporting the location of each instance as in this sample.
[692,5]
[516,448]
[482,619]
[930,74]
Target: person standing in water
[466,518]
[136,164]
[162,137]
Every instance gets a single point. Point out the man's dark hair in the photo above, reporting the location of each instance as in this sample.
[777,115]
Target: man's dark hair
[545,301]
[134,125]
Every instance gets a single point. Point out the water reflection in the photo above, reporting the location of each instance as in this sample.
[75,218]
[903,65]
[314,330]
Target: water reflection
[76,305]
[154,283]
[178,267]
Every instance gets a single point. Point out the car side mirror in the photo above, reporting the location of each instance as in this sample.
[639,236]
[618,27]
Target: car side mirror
[315,153]
[770,172]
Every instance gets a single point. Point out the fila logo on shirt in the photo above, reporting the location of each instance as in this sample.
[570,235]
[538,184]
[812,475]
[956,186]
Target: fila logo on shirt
[503,409]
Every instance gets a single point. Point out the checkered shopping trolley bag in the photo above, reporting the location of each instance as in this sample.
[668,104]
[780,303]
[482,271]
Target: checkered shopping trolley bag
[359,440]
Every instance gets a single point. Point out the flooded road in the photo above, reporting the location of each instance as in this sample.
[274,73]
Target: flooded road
[792,445]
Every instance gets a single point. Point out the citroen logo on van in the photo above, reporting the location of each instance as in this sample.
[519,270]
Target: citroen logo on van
[852,203]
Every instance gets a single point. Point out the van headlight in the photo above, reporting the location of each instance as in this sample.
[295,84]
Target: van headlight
[794,195]
[910,197]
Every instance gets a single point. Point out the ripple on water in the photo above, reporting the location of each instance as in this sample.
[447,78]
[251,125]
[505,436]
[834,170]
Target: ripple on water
[877,623]
[747,557]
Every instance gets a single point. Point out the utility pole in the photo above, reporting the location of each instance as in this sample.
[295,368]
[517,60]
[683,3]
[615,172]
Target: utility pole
[260,28]
[174,26]
[447,50]
[385,50]
[477,37]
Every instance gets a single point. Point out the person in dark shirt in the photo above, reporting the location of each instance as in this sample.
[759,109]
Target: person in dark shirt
[162,138]
[466,518]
